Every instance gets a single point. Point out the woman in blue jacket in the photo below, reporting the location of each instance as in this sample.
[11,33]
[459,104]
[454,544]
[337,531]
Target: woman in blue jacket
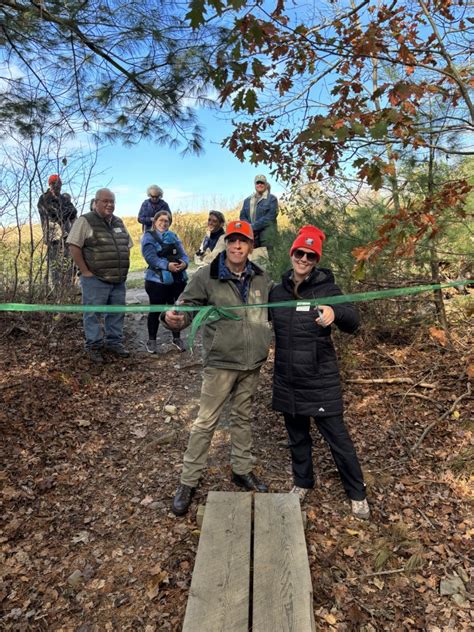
[151,206]
[165,277]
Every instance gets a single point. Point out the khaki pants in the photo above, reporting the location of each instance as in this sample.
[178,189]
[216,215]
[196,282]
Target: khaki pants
[217,385]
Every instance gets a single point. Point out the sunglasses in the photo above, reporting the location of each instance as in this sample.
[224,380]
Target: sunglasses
[259,182]
[310,256]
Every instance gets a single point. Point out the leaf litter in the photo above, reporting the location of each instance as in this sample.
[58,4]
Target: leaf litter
[87,538]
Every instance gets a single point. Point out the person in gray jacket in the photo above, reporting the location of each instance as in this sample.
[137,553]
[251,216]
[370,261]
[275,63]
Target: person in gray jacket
[233,352]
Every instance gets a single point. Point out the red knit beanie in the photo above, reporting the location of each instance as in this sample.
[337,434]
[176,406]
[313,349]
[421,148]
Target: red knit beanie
[310,238]
[54,178]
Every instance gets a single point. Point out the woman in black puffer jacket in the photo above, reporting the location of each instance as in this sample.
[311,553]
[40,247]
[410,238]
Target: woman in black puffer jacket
[306,376]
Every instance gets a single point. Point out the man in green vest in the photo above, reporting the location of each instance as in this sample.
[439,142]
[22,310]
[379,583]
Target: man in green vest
[100,246]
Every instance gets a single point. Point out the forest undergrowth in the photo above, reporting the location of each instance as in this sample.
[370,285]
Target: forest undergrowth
[92,457]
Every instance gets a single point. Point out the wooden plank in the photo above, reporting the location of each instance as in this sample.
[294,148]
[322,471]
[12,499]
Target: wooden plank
[219,594]
[282,590]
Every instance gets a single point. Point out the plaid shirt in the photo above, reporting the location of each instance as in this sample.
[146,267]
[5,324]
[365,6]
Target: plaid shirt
[242,280]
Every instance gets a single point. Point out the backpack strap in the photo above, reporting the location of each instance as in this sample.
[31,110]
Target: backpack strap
[154,234]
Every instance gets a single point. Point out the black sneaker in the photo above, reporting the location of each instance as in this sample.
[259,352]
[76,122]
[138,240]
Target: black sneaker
[179,344]
[118,350]
[150,346]
[249,482]
[182,499]
[95,356]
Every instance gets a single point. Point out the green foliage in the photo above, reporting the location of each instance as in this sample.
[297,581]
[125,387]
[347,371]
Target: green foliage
[345,226]
[117,69]
[338,82]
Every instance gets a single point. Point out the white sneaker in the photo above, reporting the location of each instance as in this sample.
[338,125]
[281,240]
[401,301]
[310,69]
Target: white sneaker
[301,491]
[360,509]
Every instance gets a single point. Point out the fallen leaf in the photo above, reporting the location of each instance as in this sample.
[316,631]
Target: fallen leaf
[146,501]
[330,618]
[379,583]
[439,335]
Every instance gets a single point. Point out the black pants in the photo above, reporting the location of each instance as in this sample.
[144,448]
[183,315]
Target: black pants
[334,431]
[160,294]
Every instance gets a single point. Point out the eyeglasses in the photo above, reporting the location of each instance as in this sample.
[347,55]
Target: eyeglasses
[233,238]
[310,256]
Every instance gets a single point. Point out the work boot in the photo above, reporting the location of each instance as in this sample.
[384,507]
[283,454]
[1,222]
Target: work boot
[250,482]
[95,356]
[118,350]
[360,509]
[182,499]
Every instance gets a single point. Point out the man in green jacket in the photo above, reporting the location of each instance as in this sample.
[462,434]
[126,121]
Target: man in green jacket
[100,246]
[233,353]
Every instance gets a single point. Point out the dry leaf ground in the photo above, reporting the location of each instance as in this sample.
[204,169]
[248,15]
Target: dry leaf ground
[91,461]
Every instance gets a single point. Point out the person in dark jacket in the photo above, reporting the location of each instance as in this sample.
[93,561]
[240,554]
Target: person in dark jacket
[57,214]
[165,277]
[151,206]
[214,241]
[306,376]
[261,209]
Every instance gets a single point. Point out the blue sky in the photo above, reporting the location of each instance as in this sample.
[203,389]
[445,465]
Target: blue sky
[216,179]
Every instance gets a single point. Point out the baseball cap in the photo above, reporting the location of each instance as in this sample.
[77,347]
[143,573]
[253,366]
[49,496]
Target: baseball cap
[239,227]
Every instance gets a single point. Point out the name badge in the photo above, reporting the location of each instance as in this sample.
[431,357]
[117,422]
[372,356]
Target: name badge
[303,307]
[117,230]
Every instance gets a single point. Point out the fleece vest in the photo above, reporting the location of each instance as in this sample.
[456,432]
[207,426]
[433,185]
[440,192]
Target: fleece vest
[106,253]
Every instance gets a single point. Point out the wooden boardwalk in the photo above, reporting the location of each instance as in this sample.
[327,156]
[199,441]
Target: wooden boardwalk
[251,570]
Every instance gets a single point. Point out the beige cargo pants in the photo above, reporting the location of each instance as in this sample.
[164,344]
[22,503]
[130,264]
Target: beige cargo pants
[217,385]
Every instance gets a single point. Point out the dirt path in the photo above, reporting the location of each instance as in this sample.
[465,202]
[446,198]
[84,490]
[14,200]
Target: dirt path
[92,460]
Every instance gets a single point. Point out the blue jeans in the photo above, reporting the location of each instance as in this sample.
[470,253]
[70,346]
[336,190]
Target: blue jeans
[97,292]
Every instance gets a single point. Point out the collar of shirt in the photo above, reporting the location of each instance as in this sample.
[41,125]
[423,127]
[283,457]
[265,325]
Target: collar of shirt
[225,273]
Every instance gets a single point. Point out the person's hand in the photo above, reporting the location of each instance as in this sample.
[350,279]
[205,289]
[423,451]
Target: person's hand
[181,265]
[173,266]
[174,319]
[327,316]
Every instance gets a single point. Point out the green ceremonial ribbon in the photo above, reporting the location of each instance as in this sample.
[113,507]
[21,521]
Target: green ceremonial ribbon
[210,313]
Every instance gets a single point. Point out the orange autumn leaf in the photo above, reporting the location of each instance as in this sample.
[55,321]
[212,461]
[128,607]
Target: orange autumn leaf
[439,335]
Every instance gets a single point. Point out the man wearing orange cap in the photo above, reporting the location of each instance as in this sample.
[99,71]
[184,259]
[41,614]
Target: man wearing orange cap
[234,349]
[57,213]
